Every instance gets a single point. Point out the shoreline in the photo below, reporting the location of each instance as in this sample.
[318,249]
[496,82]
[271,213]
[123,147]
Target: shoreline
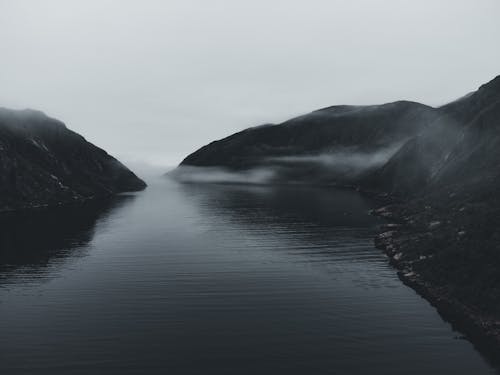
[74,202]
[479,328]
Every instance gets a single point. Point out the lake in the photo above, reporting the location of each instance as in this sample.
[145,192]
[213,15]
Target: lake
[214,279]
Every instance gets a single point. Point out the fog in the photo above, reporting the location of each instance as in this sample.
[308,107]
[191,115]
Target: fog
[151,81]
[221,175]
[344,160]
[344,163]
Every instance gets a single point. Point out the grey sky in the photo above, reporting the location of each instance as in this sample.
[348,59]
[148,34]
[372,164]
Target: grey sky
[154,80]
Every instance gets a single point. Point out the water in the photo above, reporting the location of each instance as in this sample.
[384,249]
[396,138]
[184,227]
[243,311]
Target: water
[214,279]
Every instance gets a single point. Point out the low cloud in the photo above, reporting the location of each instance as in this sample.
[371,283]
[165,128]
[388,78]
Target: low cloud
[191,174]
[341,165]
[342,160]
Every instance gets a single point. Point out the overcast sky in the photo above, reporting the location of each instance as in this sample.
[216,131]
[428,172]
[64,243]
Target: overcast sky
[154,80]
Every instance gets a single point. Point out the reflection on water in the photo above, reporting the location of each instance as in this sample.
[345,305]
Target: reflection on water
[32,241]
[257,205]
[214,279]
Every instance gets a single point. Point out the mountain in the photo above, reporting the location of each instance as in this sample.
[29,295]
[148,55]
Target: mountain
[446,241]
[461,146]
[438,166]
[43,163]
[334,144]
[402,148]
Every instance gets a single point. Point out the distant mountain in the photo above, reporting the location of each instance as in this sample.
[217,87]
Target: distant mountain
[334,144]
[43,163]
[402,148]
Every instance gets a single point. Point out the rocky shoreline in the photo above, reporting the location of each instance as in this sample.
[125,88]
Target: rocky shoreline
[398,240]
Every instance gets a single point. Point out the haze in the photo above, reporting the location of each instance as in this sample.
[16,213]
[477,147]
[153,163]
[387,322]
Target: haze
[151,81]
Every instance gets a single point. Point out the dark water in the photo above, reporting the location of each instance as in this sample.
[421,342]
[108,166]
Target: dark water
[193,279]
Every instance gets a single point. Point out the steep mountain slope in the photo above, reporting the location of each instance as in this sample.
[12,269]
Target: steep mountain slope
[461,146]
[44,163]
[447,238]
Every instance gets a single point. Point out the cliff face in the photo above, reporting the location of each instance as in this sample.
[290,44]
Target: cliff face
[44,163]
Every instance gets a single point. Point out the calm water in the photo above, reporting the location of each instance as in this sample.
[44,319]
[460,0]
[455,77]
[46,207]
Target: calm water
[213,279]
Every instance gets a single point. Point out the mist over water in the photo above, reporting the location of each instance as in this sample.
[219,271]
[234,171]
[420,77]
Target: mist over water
[215,279]
[287,169]
[220,175]
[261,264]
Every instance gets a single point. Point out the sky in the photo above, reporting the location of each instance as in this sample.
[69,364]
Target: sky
[151,81]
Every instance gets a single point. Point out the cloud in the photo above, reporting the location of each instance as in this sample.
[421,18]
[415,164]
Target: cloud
[190,174]
[342,160]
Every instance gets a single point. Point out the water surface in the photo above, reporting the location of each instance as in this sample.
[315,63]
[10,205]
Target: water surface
[214,279]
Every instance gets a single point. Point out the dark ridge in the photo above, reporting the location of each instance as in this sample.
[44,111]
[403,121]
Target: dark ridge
[43,163]
[361,129]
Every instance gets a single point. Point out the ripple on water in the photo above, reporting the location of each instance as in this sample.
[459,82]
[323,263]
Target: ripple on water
[211,279]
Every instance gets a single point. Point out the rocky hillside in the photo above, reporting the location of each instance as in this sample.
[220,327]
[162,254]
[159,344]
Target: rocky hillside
[446,237]
[43,163]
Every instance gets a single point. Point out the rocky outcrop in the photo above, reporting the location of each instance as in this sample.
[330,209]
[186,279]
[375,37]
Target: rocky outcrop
[43,163]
